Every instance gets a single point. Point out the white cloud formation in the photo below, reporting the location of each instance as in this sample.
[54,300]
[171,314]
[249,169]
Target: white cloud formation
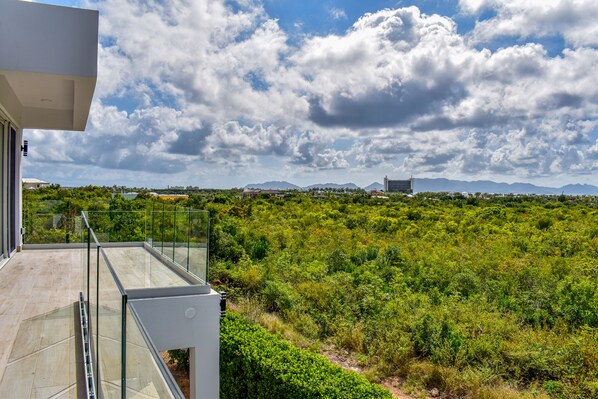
[575,20]
[184,83]
[338,13]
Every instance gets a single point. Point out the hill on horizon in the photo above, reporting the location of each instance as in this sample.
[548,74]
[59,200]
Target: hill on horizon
[274,185]
[447,185]
[350,186]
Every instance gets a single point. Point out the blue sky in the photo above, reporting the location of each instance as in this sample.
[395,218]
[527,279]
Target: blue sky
[224,93]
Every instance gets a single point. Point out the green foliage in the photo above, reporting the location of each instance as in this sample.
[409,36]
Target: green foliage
[465,295]
[180,358]
[259,248]
[544,223]
[257,364]
[456,284]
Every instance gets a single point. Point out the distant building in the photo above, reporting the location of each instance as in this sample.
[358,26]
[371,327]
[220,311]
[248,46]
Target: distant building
[32,183]
[398,186]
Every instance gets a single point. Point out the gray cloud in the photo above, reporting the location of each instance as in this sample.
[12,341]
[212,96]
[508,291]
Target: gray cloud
[395,104]
[190,142]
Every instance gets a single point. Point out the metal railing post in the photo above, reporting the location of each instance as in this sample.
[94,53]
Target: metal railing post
[174,231]
[88,264]
[188,238]
[163,213]
[123,363]
[97,325]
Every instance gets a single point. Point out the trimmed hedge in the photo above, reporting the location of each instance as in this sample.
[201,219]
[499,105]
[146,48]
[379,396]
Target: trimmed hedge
[257,364]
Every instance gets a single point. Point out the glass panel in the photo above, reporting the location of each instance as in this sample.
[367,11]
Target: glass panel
[3,223]
[92,310]
[181,237]
[109,330]
[127,226]
[118,226]
[157,228]
[168,234]
[12,188]
[44,228]
[144,379]
[198,244]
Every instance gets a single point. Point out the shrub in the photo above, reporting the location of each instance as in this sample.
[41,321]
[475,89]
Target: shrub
[180,358]
[256,364]
[544,224]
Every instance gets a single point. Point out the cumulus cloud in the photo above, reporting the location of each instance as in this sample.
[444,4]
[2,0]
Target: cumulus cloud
[384,71]
[184,83]
[574,20]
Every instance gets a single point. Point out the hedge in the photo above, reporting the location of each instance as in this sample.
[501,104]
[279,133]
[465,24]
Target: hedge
[257,364]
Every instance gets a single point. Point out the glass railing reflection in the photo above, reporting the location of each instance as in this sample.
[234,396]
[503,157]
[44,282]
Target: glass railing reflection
[125,362]
[144,379]
[181,235]
[109,330]
[52,228]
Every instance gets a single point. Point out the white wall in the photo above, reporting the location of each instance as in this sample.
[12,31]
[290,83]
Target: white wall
[48,64]
[193,322]
[48,39]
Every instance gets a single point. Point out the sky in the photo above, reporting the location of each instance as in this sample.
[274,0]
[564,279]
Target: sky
[221,94]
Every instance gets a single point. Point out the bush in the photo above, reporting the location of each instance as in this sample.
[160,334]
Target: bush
[257,364]
[544,224]
[180,358]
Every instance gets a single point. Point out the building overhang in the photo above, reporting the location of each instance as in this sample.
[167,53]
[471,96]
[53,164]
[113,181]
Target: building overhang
[48,64]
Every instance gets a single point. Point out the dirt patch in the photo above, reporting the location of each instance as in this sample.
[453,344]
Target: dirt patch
[180,376]
[347,361]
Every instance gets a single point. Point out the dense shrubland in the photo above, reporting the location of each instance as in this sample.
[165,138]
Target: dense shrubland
[472,296]
[479,297]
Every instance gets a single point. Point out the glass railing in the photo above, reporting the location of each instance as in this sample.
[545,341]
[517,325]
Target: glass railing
[181,235]
[52,228]
[53,221]
[118,226]
[145,376]
[175,233]
[110,327]
[125,362]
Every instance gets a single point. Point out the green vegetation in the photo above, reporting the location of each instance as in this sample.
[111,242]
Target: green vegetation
[257,364]
[484,297]
[52,214]
[473,296]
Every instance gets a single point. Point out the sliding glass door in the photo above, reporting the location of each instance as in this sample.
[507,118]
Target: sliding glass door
[3,202]
[13,147]
[10,148]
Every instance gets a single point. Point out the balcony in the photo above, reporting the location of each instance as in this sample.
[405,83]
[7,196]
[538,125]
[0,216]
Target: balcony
[142,275]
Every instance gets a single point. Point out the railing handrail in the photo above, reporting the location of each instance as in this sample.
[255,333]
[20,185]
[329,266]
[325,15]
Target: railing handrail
[90,230]
[119,284]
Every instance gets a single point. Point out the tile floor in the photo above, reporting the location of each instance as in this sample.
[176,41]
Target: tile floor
[38,291]
[37,324]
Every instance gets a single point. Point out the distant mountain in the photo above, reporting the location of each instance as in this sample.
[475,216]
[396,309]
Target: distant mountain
[579,189]
[324,186]
[446,185]
[486,186]
[374,186]
[274,185]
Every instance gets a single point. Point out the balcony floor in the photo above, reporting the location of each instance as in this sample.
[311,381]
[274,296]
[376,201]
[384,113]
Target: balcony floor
[37,324]
[138,268]
[38,291]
